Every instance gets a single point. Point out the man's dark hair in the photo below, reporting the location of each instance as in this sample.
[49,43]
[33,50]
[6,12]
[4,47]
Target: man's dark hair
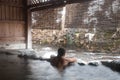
[61,52]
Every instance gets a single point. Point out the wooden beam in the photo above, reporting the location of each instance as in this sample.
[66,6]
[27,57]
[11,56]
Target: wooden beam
[11,38]
[38,4]
[0,13]
[33,2]
[53,4]
[11,21]
[76,1]
[47,7]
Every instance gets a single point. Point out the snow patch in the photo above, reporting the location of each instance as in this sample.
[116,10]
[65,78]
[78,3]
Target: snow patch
[89,36]
[115,6]
[95,6]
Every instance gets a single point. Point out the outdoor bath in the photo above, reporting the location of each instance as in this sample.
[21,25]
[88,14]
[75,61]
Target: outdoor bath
[14,68]
[32,31]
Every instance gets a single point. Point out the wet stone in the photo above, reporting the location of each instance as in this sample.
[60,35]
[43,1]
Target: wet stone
[81,64]
[114,65]
[93,63]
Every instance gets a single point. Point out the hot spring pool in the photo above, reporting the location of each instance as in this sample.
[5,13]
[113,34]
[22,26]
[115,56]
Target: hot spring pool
[14,68]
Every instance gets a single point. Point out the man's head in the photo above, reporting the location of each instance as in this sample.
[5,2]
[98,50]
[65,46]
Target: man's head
[61,52]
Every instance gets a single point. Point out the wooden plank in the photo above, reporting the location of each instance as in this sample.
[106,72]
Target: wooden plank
[15,3]
[20,30]
[9,21]
[11,38]
[17,14]
[34,2]
[21,14]
[20,2]
[3,13]
[12,29]
[1,30]
[33,5]
[7,13]
[39,1]
[10,13]
[0,12]
[7,29]
[14,13]
[4,30]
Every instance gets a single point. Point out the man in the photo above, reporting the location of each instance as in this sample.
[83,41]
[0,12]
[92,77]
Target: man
[60,61]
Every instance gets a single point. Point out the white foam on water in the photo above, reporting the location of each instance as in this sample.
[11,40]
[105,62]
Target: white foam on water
[47,48]
[49,54]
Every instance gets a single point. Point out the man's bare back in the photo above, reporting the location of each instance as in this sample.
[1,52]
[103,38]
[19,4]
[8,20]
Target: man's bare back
[60,61]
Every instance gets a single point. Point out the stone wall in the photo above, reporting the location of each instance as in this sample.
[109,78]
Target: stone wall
[47,19]
[93,26]
[101,14]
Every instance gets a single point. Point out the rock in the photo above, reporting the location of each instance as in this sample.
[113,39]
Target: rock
[28,54]
[81,62]
[114,65]
[93,63]
[9,52]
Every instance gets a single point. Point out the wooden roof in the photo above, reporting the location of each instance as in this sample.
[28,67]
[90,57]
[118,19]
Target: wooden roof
[35,5]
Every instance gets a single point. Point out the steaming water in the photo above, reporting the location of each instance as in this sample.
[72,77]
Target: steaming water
[14,68]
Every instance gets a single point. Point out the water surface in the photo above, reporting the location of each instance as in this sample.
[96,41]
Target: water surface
[14,68]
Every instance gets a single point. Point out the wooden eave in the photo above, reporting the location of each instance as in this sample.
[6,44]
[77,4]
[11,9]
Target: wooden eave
[35,5]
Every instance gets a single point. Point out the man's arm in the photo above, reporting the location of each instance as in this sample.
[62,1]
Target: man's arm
[71,59]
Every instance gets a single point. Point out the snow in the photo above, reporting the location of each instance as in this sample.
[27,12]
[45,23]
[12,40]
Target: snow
[116,6]
[90,36]
[95,6]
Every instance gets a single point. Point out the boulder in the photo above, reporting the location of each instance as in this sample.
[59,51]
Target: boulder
[114,65]
[81,62]
[93,63]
